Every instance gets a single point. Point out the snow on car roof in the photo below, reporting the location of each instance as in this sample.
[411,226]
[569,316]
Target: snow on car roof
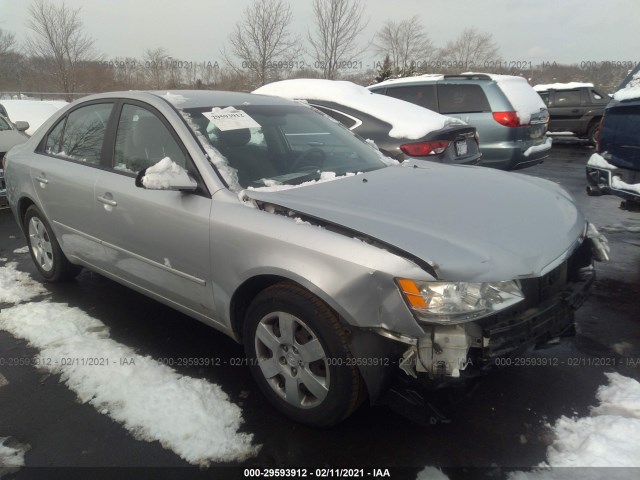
[35,112]
[406,119]
[630,91]
[560,86]
[414,79]
[523,98]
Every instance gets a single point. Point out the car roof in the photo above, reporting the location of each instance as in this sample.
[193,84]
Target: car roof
[194,98]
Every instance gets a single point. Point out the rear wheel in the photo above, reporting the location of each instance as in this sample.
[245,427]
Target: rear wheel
[299,356]
[45,250]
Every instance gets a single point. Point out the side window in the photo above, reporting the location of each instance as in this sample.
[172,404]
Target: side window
[81,137]
[568,98]
[142,140]
[423,95]
[596,95]
[545,97]
[459,98]
[345,120]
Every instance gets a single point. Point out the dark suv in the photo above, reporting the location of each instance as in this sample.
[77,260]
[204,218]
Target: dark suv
[615,168]
[574,107]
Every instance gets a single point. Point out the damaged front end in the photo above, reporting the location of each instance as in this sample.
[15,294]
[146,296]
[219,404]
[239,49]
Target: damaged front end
[451,353]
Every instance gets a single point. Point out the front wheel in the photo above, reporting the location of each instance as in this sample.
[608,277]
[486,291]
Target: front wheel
[45,250]
[594,132]
[299,356]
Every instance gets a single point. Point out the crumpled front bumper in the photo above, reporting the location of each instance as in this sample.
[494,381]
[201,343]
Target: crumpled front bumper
[452,353]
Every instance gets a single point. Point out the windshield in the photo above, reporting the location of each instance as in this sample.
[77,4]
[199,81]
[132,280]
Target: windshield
[275,144]
[4,125]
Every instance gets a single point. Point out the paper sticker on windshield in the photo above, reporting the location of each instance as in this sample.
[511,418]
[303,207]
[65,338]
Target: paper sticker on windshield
[230,119]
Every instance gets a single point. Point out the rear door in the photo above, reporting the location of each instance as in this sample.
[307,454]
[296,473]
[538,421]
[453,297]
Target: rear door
[64,172]
[157,240]
[566,108]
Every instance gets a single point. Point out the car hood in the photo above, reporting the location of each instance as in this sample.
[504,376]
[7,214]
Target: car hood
[469,223]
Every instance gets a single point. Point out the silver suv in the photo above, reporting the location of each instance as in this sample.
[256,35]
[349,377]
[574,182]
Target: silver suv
[509,115]
[340,273]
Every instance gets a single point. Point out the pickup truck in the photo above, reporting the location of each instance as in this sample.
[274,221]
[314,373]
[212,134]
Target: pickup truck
[574,107]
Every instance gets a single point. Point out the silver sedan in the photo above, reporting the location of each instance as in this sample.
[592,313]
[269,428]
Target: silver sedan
[341,271]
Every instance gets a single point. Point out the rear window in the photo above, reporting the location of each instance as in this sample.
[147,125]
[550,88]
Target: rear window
[423,95]
[457,98]
[621,127]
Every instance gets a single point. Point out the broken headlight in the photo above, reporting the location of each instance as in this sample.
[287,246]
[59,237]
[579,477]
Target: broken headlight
[457,302]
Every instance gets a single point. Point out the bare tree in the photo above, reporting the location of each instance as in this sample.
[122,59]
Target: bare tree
[262,41]
[471,50]
[155,63]
[406,43]
[58,38]
[338,24]
[7,42]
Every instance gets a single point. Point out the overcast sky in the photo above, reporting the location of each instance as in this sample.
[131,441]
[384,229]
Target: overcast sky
[567,31]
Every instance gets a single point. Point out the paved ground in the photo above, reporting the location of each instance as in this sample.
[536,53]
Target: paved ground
[500,425]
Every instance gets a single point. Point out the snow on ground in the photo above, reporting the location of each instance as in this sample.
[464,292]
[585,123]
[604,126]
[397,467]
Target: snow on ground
[24,249]
[539,148]
[596,160]
[11,455]
[192,417]
[608,437]
[406,119]
[619,227]
[560,86]
[17,286]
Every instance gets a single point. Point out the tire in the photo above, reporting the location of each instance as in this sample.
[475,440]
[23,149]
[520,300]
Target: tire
[592,133]
[299,356]
[45,249]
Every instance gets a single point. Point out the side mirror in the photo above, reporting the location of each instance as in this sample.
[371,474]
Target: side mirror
[22,126]
[166,175]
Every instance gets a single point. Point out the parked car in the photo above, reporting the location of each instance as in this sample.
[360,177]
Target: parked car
[10,135]
[277,226]
[510,117]
[401,130]
[615,167]
[574,108]
[34,112]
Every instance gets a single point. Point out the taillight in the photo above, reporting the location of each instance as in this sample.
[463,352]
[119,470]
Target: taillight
[423,149]
[508,119]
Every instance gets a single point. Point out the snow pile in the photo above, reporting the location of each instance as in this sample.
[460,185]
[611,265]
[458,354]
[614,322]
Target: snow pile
[523,98]
[11,457]
[415,79]
[33,111]
[24,249]
[406,119]
[609,437]
[539,148]
[324,177]
[17,286]
[174,99]
[561,86]
[596,160]
[431,473]
[164,174]
[630,91]
[619,184]
[192,417]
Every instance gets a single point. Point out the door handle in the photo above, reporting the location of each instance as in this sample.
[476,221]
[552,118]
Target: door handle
[42,179]
[108,201]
